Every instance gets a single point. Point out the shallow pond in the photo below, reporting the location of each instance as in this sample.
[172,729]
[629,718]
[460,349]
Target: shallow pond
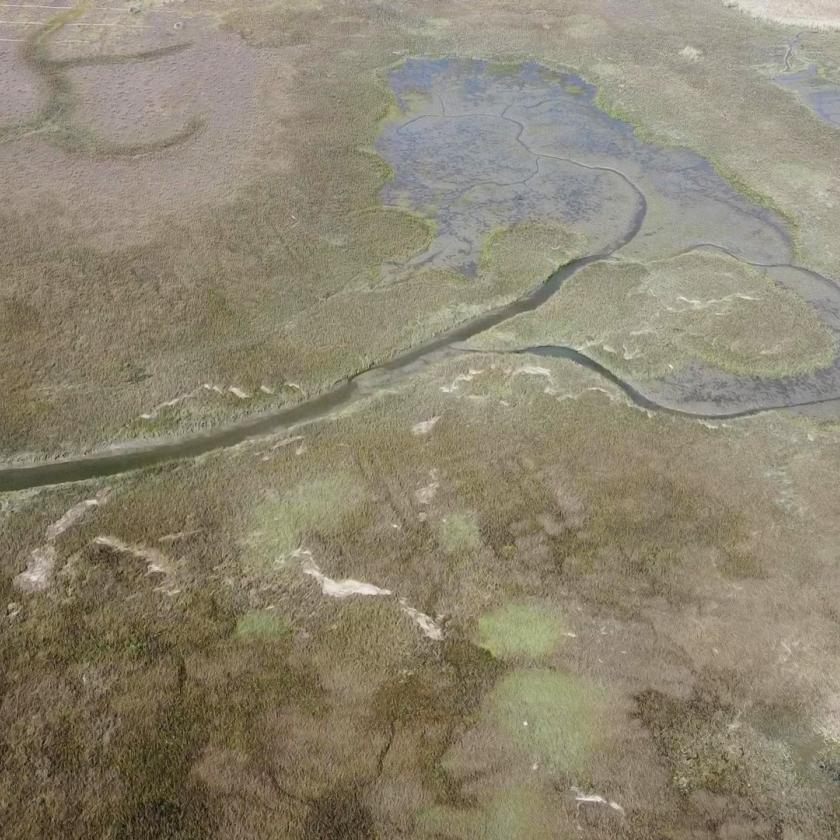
[821,95]
[479,148]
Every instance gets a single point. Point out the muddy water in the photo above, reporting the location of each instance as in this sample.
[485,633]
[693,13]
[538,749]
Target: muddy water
[818,93]
[480,148]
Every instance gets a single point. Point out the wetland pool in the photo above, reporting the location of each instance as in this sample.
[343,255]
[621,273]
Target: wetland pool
[821,95]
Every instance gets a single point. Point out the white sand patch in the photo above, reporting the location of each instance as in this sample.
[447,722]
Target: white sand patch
[425,426]
[156,561]
[74,515]
[178,535]
[41,566]
[595,799]
[343,588]
[565,395]
[462,377]
[302,554]
[349,587]
[532,370]
[431,629]
[425,494]
[690,53]
[37,575]
[155,412]
[297,439]
[204,387]
[695,304]
[287,441]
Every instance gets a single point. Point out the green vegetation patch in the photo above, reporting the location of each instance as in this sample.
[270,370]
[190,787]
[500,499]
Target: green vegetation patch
[647,320]
[258,625]
[281,521]
[513,813]
[554,716]
[520,630]
[459,534]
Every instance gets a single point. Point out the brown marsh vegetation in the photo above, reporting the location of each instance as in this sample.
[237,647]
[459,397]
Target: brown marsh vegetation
[495,602]
[647,594]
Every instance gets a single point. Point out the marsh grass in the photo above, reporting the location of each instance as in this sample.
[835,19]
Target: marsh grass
[286,243]
[56,122]
[523,256]
[709,748]
[516,812]
[646,321]
[129,712]
[273,283]
[221,712]
[276,254]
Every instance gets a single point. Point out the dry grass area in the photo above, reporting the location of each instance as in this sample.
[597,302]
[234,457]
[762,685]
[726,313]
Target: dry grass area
[195,199]
[638,633]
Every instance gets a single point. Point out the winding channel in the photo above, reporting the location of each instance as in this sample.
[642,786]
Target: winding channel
[385,375]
